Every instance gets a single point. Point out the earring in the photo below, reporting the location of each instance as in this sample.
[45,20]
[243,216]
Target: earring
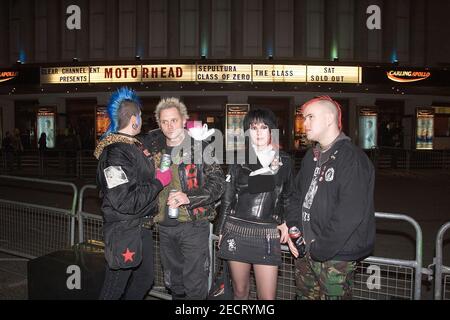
[134,126]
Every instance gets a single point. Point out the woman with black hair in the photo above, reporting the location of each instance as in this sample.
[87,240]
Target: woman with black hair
[255,207]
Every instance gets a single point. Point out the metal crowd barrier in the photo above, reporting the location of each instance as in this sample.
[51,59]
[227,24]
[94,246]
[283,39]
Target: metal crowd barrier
[441,292]
[398,279]
[30,230]
[90,229]
[395,158]
[86,164]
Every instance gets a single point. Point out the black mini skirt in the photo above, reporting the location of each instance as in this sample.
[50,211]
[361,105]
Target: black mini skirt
[250,242]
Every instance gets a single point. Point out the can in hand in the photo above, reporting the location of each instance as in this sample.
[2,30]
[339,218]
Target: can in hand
[165,162]
[299,241]
[172,212]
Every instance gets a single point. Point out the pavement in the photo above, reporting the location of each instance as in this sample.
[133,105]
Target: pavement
[423,195]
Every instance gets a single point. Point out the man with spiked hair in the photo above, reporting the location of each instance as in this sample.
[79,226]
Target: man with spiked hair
[335,188]
[184,240]
[129,189]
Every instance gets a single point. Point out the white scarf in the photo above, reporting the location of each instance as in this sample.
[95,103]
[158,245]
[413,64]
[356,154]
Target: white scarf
[265,157]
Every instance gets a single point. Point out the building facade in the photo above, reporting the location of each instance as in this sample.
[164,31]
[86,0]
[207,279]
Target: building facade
[41,35]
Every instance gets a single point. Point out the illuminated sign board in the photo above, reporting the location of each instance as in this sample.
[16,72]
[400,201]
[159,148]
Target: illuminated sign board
[234,126]
[46,127]
[330,74]
[106,74]
[300,139]
[367,128]
[65,75]
[172,72]
[101,122]
[424,128]
[279,73]
[200,73]
[224,72]
[8,75]
[407,75]
[442,110]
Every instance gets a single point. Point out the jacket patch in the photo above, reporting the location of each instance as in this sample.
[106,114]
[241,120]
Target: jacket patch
[329,175]
[128,255]
[231,245]
[115,176]
[309,198]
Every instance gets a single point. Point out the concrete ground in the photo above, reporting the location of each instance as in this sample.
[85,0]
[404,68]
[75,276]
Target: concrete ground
[423,195]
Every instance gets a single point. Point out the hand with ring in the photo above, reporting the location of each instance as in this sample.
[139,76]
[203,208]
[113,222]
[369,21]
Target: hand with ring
[177,199]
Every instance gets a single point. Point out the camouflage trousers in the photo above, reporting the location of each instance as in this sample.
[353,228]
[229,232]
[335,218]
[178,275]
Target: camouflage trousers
[329,280]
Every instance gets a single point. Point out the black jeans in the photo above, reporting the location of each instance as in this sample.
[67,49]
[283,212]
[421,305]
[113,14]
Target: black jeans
[185,259]
[131,284]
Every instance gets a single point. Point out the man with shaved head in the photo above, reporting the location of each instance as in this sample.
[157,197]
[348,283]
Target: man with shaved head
[334,191]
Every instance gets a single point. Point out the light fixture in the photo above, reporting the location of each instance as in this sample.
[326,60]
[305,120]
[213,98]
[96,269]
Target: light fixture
[395,63]
[74,59]
[335,59]
[203,57]
[137,58]
[270,57]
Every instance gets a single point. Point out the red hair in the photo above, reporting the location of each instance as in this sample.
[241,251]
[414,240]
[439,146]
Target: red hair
[325,98]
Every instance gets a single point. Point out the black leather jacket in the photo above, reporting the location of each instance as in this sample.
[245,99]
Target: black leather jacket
[206,180]
[135,194]
[269,206]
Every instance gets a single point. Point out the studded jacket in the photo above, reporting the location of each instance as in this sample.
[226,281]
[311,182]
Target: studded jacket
[203,182]
[269,205]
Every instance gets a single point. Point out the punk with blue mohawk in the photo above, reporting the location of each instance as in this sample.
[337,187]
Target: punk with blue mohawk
[117,98]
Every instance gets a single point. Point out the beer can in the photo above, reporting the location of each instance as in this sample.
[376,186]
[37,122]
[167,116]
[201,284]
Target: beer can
[173,212]
[294,232]
[298,240]
[165,162]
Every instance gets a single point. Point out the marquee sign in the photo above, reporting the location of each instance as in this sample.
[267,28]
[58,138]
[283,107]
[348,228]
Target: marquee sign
[330,74]
[201,73]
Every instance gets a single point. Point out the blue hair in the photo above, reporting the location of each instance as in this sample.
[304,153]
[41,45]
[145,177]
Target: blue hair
[122,94]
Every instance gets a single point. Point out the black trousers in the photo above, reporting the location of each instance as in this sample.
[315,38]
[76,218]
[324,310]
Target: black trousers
[185,259]
[131,284]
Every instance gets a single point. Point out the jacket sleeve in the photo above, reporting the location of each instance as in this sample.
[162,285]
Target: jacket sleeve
[211,189]
[294,205]
[129,197]
[355,189]
[228,196]
[289,212]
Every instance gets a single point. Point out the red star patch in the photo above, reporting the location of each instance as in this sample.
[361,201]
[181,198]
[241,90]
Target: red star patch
[128,255]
